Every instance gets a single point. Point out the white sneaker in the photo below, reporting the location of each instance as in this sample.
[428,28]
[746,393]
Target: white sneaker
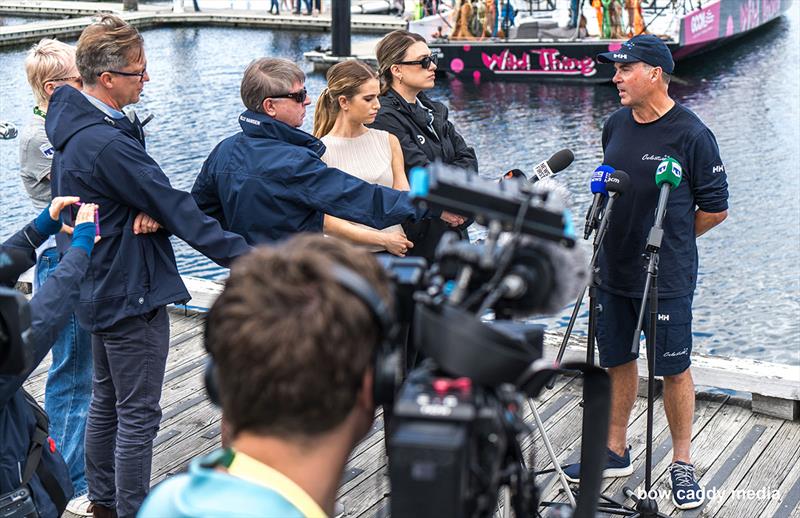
[79,506]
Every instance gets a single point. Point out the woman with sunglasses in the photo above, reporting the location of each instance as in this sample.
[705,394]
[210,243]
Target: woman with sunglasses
[348,103]
[407,69]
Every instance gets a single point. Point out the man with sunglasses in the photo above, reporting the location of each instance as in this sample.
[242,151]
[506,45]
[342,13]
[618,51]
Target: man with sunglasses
[100,156]
[268,181]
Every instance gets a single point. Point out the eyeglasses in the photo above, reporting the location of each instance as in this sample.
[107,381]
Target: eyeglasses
[140,75]
[424,62]
[297,96]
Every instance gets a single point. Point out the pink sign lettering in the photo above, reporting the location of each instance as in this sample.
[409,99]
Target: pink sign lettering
[748,15]
[539,62]
[770,9]
[701,25]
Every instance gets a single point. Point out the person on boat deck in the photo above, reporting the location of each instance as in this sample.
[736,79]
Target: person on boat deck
[293,351]
[100,156]
[649,127]
[407,68]
[268,182]
[375,156]
[48,65]
[23,423]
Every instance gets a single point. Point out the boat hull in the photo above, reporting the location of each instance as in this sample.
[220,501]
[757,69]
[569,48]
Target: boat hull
[573,61]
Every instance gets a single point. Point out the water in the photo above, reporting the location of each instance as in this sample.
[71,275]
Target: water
[748,295]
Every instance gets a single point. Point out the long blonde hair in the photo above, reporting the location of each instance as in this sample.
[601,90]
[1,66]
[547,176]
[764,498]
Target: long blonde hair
[345,79]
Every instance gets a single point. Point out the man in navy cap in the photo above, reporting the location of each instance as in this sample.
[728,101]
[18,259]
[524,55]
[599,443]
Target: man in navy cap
[649,127]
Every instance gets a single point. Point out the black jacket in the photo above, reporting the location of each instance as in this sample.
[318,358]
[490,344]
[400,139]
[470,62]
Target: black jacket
[421,147]
[104,161]
[50,309]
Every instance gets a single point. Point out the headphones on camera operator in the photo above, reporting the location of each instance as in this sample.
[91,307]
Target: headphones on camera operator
[386,360]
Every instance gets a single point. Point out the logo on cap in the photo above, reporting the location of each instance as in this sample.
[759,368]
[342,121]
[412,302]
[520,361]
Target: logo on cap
[621,56]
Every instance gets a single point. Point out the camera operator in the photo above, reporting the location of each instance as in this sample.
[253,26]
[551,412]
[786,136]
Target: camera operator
[29,457]
[293,352]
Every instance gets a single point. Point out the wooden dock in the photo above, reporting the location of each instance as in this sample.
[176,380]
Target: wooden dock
[752,459]
[75,16]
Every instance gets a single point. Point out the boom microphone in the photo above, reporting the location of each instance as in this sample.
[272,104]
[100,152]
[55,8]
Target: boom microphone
[598,185]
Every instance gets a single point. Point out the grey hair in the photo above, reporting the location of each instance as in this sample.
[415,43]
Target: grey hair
[265,77]
[108,44]
[664,76]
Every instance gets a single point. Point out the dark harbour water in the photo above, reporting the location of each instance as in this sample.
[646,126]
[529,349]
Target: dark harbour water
[748,296]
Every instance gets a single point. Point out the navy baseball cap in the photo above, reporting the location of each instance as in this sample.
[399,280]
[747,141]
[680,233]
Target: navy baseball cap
[646,48]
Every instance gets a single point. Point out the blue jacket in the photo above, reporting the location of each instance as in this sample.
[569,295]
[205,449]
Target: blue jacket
[104,161]
[50,309]
[268,182]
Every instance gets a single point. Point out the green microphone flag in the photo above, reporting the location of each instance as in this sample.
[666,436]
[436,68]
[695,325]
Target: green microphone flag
[669,171]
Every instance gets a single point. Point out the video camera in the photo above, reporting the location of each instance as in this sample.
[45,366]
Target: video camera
[15,316]
[454,429]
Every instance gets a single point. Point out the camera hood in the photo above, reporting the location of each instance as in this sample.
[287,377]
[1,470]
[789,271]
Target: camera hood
[462,345]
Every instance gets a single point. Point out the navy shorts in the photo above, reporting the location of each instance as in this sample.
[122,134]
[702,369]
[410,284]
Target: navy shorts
[617,319]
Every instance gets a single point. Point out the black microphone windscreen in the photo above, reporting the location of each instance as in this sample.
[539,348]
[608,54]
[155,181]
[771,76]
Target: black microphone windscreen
[560,160]
[618,182]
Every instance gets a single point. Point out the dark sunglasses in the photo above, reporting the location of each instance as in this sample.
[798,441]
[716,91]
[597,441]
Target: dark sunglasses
[424,62]
[297,96]
[140,75]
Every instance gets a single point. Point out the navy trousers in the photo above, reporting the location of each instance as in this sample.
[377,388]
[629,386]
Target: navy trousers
[124,414]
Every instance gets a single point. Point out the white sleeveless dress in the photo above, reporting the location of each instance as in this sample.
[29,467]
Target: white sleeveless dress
[368,157]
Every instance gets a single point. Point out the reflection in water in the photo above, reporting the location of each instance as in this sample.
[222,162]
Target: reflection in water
[747,300]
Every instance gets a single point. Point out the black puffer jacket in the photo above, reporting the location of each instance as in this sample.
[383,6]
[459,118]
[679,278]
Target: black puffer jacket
[420,148]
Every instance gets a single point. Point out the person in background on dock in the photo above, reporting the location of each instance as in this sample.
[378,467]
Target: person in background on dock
[268,182]
[406,69]
[375,156]
[293,349]
[649,127]
[48,65]
[100,156]
[275,7]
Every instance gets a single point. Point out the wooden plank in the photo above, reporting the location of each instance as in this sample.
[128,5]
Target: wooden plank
[788,503]
[741,426]
[775,407]
[766,474]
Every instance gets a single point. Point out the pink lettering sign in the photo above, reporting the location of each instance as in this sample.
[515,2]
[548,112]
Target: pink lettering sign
[701,25]
[748,15]
[539,62]
[770,9]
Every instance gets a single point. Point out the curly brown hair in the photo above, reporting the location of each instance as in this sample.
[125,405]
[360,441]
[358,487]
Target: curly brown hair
[290,344]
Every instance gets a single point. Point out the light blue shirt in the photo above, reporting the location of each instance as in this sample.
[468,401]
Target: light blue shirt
[103,107]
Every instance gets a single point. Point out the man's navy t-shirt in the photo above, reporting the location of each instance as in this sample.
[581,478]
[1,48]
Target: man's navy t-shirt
[637,149]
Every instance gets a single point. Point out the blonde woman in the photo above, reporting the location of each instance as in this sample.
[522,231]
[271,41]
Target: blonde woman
[348,103]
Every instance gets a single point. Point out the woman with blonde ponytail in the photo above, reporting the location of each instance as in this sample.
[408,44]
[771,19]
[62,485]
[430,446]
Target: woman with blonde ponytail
[348,103]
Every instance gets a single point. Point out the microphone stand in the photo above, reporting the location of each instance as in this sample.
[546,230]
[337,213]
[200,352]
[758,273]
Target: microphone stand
[647,507]
[600,234]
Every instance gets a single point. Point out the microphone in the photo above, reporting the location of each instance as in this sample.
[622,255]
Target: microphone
[553,165]
[616,185]
[598,185]
[668,176]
